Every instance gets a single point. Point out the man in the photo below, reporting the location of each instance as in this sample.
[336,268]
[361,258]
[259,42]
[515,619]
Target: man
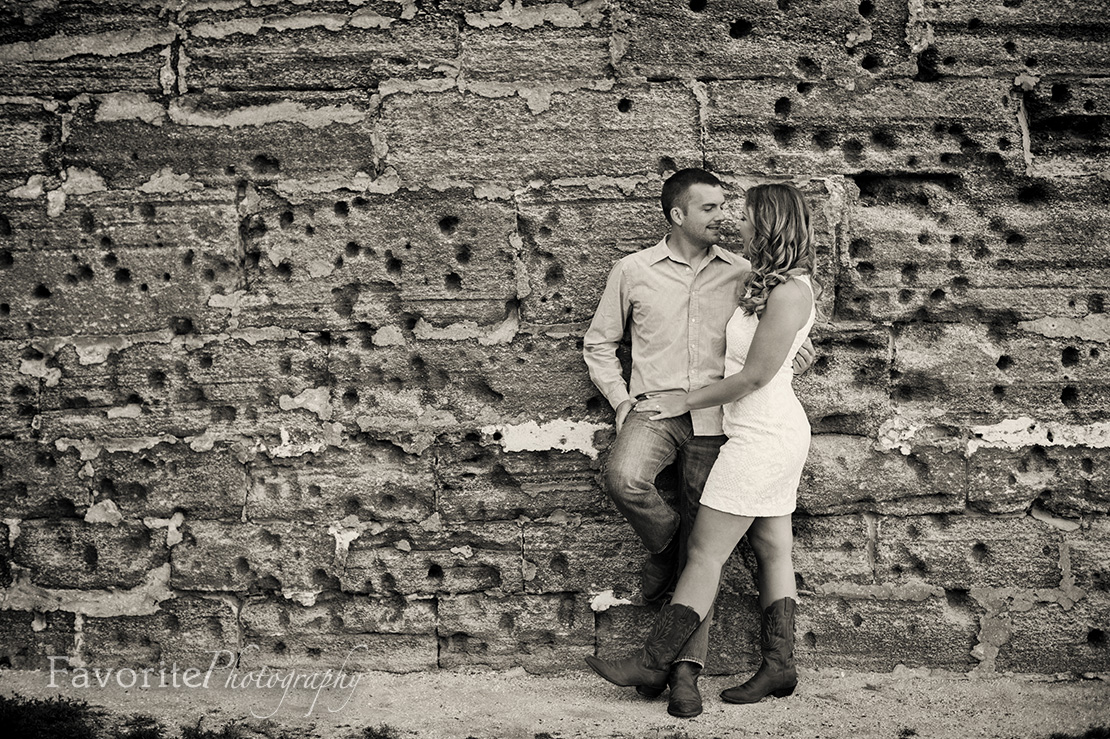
[679,296]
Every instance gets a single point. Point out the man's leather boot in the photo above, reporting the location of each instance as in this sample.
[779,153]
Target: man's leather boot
[659,573]
[685,701]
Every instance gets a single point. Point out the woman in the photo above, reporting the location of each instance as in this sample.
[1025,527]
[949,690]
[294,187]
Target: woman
[753,486]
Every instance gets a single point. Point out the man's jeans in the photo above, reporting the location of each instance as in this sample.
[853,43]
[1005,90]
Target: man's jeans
[643,449]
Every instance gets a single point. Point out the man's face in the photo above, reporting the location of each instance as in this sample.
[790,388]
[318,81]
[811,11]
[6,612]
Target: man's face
[701,220]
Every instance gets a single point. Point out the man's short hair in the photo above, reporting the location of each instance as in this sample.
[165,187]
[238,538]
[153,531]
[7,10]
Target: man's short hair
[677,187]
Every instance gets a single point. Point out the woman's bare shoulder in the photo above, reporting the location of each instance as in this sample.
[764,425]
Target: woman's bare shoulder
[791,294]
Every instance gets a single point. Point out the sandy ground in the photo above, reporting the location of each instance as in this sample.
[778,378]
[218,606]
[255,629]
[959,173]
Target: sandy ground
[515,705]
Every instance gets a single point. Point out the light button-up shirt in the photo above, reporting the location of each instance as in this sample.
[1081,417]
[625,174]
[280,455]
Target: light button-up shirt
[677,316]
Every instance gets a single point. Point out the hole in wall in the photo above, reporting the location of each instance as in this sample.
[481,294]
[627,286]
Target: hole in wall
[740,29]
[807,67]
[1069,396]
[448,225]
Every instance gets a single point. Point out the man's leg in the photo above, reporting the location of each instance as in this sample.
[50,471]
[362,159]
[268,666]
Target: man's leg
[698,455]
[641,451]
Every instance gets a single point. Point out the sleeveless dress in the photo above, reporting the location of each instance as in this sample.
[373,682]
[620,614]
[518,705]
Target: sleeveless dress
[758,469]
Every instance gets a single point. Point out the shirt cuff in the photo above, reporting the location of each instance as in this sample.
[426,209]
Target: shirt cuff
[617,395]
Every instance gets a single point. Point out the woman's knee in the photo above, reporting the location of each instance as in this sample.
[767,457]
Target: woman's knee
[701,553]
[771,545]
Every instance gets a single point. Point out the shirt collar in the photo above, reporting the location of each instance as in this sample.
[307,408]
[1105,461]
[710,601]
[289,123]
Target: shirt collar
[661,251]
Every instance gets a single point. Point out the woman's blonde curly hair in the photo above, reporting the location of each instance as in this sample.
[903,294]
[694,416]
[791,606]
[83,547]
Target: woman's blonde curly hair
[782,245]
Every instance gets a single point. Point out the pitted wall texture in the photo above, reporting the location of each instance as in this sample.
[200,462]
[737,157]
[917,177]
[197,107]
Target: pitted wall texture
[293,294]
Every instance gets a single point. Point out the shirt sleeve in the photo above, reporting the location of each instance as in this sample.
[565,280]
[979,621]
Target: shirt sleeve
[599,346]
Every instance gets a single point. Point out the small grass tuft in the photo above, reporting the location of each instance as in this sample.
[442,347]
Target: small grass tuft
[381,731]
[33,718]
[1095,732]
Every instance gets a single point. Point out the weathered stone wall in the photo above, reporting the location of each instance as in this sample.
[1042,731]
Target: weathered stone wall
[293,294]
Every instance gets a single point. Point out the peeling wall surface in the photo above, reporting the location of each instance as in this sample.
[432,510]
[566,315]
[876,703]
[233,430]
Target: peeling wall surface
[292,295]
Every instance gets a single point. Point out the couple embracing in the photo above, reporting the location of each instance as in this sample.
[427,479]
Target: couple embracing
[716,339]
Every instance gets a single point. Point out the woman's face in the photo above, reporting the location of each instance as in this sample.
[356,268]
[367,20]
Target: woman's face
[746,228]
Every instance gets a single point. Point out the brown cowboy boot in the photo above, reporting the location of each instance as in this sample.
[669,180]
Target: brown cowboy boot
[685,700]
[651,664]
[776,675]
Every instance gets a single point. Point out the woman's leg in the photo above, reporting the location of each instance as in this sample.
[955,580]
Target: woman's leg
[772,541]
[714,537]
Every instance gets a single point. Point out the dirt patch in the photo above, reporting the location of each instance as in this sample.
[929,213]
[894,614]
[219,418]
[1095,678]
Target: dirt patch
[516,705]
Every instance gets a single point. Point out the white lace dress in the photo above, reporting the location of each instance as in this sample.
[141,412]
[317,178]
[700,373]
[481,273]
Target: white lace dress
[759,467]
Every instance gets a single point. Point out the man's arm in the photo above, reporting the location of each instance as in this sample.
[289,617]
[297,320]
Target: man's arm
[599,345]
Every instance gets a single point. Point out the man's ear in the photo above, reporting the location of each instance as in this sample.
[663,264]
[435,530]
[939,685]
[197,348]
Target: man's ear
[678,215]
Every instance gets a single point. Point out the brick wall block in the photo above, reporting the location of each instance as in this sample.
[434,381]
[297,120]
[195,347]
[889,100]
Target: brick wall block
[948,246]
[334,261]
[83,46]
[542,633]
[66,553]
[278,555]
[865,634]
[28,639]
[40,482]
[968,551]
[847,389]
[169,478]
[583,556]
[736,40]
[769,126]
[832,549]
[1048,638]
[333,613]
[327,650]
[481,483]
[454,559]
[377,482]
[486,135]
[187,630]
[1067,124]
[206,137]
[846,474]
[1089,557]
[989,378]
[222,52]
[30,144]
[545,55]
[1060,39]
[571,243]
[1065,481]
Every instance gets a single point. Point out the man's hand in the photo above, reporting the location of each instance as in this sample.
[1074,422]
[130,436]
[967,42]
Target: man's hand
[622,413]
[804,358]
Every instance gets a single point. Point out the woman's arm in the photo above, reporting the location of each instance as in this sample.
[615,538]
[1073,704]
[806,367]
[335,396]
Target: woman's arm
[787,310]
